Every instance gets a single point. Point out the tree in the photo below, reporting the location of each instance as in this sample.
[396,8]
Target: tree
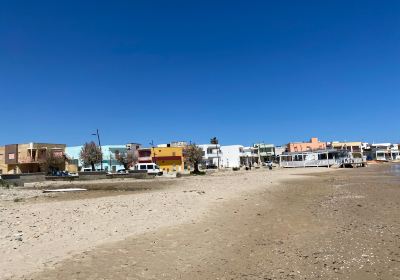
[214,141]
[127,159]
[52,161]
[91,154]
[193,156]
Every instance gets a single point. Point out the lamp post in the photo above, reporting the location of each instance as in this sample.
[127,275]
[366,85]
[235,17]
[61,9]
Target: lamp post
[98,139]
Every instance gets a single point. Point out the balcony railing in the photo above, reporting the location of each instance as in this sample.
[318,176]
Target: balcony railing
[31,160]
[144,159]
[322,163]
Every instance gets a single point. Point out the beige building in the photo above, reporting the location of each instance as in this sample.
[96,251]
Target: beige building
[354,147]
[28,158]
[2,157]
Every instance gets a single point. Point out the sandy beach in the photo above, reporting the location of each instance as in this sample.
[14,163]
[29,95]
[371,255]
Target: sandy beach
[281,224]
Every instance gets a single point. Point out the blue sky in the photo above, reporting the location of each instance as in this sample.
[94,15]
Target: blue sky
[244,71]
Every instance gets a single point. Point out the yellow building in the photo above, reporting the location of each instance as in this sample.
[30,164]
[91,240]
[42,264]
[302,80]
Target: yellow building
[169,159]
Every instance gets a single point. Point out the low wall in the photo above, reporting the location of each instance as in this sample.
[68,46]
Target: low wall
[92,175]
[96,175]
[62,178]
[21,179]
[135,175]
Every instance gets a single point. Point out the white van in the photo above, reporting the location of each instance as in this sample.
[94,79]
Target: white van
[151,168]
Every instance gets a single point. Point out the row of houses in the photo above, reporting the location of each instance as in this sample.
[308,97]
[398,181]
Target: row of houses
[28,158]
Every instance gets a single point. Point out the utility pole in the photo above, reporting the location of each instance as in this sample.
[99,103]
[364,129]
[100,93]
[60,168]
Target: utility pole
[214,141]
[154,153]
[98,139]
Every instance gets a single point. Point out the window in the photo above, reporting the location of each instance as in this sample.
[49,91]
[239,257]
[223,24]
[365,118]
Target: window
[143,167]
[150,166]
[173,154]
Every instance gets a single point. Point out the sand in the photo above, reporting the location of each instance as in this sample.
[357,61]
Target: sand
[38,235]
[231,225]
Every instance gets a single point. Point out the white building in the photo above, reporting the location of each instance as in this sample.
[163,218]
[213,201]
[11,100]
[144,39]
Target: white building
[279,150]
[384,152]
[211,155]
[231,156]
[250,156]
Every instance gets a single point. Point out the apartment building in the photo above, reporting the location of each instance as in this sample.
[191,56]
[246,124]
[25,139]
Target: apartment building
[29,158]
[211,155]
[266,151]
[313,145]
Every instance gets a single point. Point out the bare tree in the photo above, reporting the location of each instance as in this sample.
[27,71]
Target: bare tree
[91,154]
[127,158]
[193,156]
[52,161]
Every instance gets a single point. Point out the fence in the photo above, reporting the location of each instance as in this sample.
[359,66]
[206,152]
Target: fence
[323,162]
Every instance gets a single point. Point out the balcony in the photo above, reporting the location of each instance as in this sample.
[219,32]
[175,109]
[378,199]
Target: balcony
[145,159]
[31,160]
[213,155]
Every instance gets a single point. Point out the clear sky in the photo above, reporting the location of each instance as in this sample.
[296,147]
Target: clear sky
[244,71]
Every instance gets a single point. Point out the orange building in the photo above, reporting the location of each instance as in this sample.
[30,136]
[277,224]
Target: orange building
[313,145]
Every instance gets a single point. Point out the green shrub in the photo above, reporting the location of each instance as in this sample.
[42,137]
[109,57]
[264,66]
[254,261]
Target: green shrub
[197,173]
[4,184]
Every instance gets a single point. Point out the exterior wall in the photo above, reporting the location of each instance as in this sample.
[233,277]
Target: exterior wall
[250,156]
[266,151]
[27,158]
[11,154]
[169,159]
[313,145]
[109,161]
[279,150]
[211,154]
[383,152]
[3,165]
[134,148]
[231,156]
[350,146]
[144,155]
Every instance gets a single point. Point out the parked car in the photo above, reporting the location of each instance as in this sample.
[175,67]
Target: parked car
[268,164]
[121,171]
[211,166]
[151,168]
[60,173]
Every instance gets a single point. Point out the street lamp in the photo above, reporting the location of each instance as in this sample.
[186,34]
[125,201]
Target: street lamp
[98,138]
